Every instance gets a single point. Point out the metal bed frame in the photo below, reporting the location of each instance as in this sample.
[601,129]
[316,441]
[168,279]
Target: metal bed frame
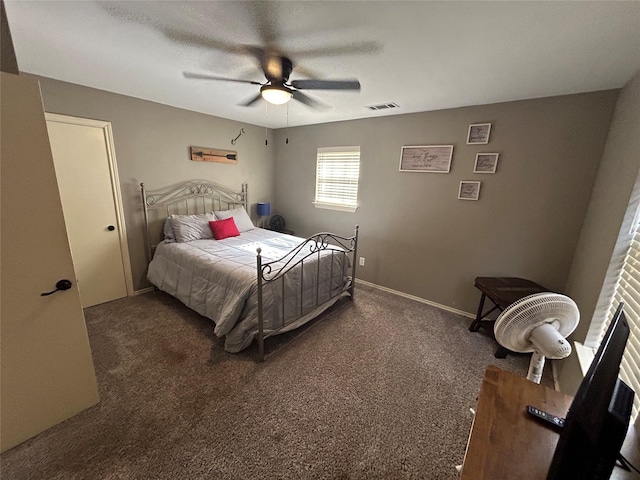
[201,196]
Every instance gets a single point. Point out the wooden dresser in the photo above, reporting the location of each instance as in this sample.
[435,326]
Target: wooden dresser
[506,443]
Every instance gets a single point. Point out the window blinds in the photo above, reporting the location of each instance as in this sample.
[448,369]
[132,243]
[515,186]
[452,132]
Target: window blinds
[337,174]
[622,284]
[628,291]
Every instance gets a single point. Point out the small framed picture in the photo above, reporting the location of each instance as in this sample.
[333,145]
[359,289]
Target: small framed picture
[469,190]
[479,133]
[486,163]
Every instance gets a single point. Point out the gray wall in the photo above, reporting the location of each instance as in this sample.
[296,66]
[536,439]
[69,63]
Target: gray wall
[416,236]
[152,146]
[611,193]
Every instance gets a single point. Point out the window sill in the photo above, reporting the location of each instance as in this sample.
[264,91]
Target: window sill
[585,356]
[331,206]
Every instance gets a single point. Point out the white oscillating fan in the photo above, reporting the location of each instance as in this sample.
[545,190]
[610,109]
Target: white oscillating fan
[538,323]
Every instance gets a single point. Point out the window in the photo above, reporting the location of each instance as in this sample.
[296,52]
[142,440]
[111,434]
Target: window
[622,284]
[627,290]
[337,174]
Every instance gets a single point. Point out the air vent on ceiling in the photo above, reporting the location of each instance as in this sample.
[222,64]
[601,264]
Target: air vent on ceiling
[383,106]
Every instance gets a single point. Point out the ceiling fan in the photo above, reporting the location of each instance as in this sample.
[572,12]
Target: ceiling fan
[277,89]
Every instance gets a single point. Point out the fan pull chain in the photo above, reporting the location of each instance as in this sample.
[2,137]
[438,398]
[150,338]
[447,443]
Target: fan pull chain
[287,142]
[266,109]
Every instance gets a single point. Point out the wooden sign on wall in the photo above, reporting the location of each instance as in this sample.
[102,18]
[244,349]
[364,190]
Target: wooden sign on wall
[200,154]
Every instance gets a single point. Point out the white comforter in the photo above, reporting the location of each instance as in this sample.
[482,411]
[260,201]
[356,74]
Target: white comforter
[218,279]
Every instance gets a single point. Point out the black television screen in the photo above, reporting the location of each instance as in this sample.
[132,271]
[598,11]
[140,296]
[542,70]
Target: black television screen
[598,418]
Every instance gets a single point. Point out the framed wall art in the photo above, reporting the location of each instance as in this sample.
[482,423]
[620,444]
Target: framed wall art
[469,190]
[426,158]
[486,163]
[200,154]
[479,133]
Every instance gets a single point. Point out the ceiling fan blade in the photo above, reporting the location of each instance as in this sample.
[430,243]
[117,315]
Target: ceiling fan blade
[275,67]
[326,84]
[201,76]
[307,72]
[251,101]
[201,41]
[265,17]
[356,48]
[180,36]
[194,39]
[258,53]
[301,97]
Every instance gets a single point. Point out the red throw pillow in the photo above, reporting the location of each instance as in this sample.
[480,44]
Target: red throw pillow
[224,228]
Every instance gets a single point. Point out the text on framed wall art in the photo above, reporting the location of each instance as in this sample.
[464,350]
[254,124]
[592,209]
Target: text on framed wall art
[426,158]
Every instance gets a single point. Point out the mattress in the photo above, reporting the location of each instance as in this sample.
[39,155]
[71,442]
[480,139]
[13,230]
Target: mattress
[218,279]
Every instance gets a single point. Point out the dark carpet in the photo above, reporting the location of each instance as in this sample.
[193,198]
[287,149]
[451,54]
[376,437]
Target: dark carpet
[378,388]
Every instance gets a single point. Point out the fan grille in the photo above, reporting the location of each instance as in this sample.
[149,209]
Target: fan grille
[277,223]
[513,327]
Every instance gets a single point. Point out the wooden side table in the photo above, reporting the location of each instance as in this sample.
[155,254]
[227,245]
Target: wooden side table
[506,443]
[502,292]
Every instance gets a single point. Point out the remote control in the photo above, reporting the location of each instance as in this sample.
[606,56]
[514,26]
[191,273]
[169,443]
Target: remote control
[557,422]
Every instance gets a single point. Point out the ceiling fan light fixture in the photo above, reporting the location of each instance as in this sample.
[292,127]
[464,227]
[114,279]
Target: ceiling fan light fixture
[276,94]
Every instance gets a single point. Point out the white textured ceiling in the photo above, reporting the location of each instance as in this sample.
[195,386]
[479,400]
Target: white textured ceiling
[421,55]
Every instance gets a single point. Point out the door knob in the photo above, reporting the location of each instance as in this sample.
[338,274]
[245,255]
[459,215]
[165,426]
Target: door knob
[111,228]
[61,285]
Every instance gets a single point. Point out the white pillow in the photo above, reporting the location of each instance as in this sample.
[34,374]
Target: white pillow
[240,217]
[192,227]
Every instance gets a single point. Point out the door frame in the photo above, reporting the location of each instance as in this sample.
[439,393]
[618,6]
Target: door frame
[115,186]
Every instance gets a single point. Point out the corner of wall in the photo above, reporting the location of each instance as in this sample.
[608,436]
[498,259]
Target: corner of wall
[606,215]
[8,63]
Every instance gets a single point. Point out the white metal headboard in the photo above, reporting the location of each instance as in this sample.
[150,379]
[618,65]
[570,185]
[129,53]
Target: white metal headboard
[187,198]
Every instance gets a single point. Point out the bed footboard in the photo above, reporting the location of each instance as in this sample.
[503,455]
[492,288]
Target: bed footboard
[318,245]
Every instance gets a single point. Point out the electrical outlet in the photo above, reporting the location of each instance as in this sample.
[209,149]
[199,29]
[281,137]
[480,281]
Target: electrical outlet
[362,261]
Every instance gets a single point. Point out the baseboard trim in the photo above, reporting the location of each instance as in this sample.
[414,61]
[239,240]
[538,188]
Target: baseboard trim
[144,290]
[379,287]
[417,299]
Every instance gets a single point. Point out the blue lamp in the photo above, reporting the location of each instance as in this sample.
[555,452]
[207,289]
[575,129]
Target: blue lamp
[264,210]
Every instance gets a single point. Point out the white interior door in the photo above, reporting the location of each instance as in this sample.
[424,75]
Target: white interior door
[84,168]
[46,373]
